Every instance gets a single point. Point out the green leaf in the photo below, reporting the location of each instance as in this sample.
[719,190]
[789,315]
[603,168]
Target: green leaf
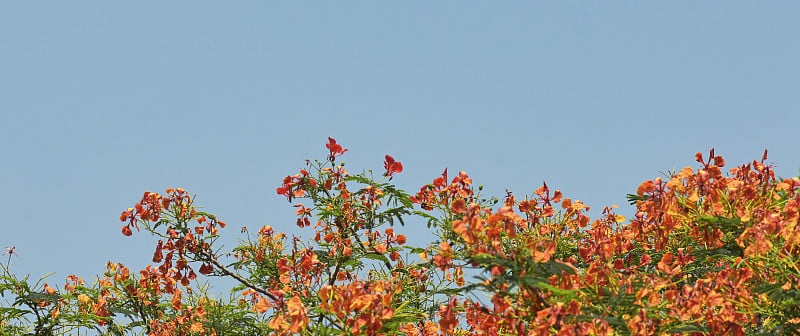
[771,290]
[687,328]
[380,257]
[414,249]
[352,262]
[632,198]
[13,312]
[121,310]
[532,281]
[566,293]
[557,268]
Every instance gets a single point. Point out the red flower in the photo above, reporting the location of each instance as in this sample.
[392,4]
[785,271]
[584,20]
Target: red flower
[336,150]
[392,166]
[158,255]
[206,269]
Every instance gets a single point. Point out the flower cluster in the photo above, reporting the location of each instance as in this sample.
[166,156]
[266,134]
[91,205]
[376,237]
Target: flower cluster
[705,253]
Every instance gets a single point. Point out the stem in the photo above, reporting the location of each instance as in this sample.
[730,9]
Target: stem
[539,296]
[39,320]
[331,280]
[373,251]
[142,314]
[236,276]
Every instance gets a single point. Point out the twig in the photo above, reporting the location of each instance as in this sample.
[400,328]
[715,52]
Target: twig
[238,277]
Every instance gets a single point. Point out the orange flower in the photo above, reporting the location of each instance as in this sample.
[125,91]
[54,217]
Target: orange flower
[196,327]
[262,306]
[84,299]
[10,251]
[458,206]
[176,300]
[277,323]
[297,313]
[447,315]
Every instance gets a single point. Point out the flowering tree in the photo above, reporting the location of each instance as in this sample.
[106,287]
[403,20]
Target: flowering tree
[705,254]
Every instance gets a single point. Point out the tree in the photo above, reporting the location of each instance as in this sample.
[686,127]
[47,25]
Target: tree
[705,254]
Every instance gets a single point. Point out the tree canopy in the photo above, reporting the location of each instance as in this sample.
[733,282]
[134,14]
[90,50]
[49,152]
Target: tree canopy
[706,253]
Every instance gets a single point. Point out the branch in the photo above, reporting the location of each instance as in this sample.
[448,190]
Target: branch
[539,296]
[236,276]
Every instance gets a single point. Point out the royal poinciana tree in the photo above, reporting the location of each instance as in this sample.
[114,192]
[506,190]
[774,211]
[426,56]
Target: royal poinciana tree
[706,253]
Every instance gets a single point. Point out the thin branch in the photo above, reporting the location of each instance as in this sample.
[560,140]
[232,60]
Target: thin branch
[236,276]
[539,296]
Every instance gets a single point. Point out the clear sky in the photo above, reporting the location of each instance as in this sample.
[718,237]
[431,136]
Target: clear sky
[101,101]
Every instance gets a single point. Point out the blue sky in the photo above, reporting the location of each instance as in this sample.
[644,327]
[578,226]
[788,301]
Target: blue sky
[101,101]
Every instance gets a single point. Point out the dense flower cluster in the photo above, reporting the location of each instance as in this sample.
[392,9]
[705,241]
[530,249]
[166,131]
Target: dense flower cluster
[705,253]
